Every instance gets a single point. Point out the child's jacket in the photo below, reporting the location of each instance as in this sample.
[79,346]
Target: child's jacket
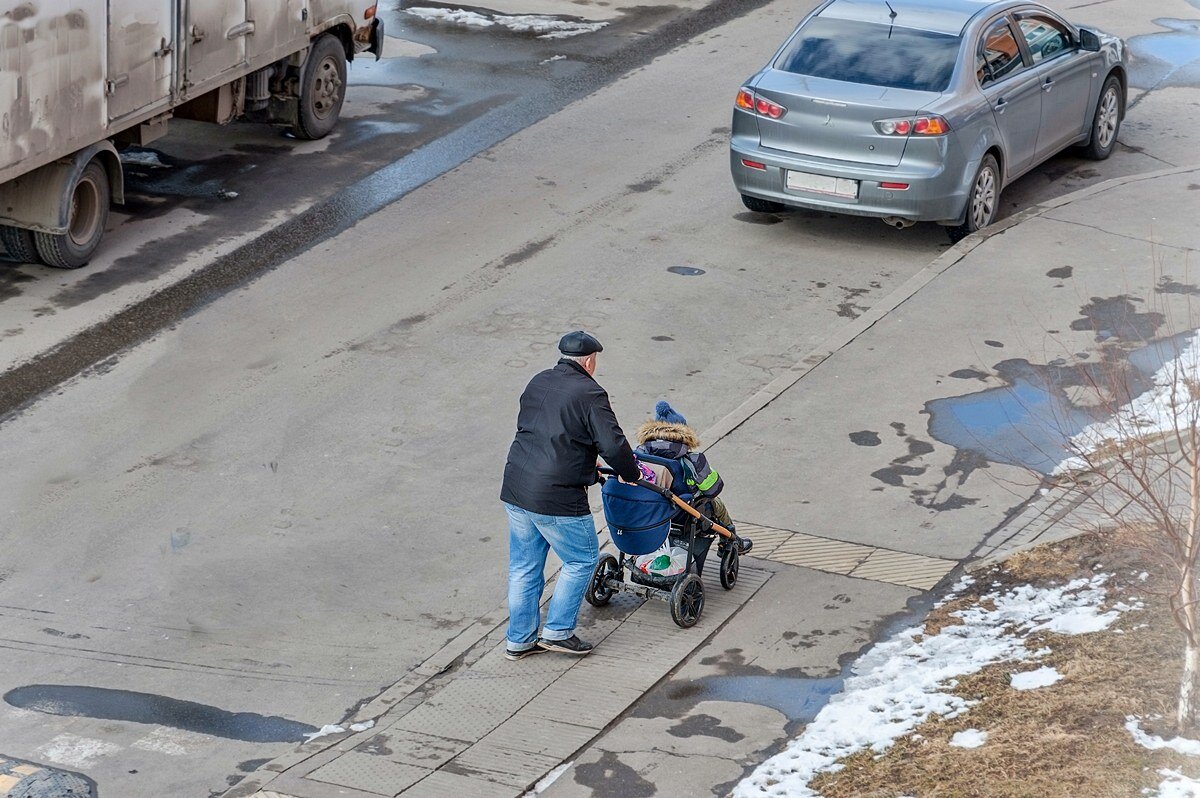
[677,441]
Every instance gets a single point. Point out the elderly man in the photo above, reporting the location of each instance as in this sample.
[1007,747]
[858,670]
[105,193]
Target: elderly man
[564,423]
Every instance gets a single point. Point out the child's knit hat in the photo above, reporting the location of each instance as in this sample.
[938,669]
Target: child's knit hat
[665,413]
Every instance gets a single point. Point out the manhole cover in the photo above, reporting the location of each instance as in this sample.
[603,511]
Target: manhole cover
[22,779]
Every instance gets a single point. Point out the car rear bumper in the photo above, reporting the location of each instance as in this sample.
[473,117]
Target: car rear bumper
[935,193]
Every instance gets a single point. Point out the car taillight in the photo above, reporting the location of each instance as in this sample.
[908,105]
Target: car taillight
[759,105]
[759,165]
[917,126]
[768,108]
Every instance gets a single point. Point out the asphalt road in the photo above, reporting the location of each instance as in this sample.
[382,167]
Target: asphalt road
[284,498]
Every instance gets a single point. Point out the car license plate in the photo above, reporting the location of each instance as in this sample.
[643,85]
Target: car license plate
[822,184]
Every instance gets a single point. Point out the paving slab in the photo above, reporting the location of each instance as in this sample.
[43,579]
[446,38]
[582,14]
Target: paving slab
[498,727]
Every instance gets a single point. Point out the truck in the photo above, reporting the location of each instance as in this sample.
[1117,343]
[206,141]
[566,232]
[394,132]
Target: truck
[82,79]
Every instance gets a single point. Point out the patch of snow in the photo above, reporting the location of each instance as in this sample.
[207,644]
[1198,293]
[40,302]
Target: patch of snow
[335,728]
[454,16]
[545,26]
[969,738]
[901,682]
[547,780]
[552,59]
[1079,621]
[324,731]
[1167,406]
[143,158]
[1181,745]
[1031,680]
[1143,576]
[1176,785]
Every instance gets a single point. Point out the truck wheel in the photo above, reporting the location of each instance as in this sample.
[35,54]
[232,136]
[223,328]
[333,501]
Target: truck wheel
[322,89]
[85,222]
[18,245]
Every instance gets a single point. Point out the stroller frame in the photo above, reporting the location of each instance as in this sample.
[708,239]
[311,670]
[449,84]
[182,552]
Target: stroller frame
[684,592]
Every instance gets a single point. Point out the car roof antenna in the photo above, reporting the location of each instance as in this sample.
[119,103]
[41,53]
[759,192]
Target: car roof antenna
[891,16]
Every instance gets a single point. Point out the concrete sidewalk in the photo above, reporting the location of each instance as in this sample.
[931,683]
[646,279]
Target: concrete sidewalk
[1105,267]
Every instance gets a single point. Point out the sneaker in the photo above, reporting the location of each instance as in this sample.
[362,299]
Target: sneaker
[513,655]
[743,546]
[572,645]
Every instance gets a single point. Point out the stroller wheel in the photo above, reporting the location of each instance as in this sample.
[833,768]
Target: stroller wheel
[729,567]
[687,601]
[598,592]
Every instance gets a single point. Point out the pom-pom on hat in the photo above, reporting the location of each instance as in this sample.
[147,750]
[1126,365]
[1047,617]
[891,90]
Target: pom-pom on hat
[667,414]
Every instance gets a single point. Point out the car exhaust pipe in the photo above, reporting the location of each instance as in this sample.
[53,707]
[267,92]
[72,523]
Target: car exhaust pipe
[898,222]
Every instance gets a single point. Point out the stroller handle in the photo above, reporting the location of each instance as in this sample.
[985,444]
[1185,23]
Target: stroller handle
[609,472]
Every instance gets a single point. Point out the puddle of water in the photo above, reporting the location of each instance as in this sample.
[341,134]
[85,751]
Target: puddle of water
[1160,60]
[1028,421]
[125,705]
[1024,423]
[798,698]
[686,271]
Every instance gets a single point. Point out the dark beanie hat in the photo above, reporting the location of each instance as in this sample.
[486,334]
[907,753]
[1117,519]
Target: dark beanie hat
[578,344]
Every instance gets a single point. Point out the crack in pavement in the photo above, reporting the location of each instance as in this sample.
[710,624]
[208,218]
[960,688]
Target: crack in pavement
[1122,235]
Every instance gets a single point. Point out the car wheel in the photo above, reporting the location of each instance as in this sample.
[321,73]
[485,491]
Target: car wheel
[983,202]
[322,89]
[1106,122]
[761,205]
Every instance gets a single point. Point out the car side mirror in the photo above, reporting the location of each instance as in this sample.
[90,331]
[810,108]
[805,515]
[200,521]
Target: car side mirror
[1089,41]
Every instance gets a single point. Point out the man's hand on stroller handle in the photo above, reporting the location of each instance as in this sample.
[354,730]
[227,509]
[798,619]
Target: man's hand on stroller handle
[610,472]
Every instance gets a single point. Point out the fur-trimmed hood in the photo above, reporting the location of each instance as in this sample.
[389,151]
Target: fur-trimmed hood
[662,431]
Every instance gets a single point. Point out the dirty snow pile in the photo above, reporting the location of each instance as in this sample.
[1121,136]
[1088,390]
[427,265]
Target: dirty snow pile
[1175,785]
[1169,405]
[1032,680]
[1180,745]
[546,27]
[336,728]
[968,738]
[902,681]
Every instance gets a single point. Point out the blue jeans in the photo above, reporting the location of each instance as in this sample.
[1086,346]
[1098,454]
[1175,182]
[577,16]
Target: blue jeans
[530,538]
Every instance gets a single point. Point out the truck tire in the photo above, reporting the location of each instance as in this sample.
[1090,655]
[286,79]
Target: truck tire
[18,245]
[322,89]
[85,222]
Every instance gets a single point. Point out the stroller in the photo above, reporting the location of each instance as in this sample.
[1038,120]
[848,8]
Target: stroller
[640,518]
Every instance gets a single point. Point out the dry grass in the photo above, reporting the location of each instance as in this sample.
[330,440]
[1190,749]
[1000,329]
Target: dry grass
[1063,741]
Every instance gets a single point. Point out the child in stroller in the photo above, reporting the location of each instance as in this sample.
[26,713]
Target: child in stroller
[673,507]
[668,435]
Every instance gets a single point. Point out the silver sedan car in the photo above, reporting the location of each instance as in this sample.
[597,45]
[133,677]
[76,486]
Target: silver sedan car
[922,110]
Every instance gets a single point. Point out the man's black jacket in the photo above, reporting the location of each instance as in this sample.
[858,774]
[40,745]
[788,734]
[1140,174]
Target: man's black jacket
[565,421]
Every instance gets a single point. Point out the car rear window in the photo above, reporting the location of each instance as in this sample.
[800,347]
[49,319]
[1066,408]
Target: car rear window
[874,54]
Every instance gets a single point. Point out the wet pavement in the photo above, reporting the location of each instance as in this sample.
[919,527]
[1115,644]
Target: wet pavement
[277,504]
[210,207]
